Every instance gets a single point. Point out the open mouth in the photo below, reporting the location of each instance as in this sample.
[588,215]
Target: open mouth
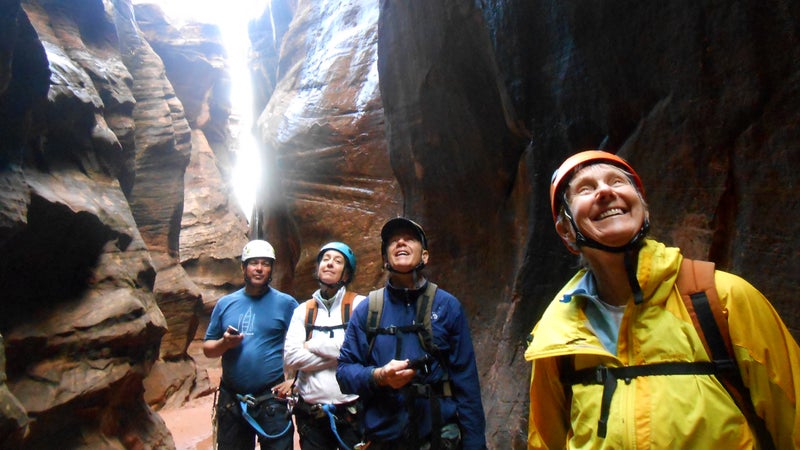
[610,213]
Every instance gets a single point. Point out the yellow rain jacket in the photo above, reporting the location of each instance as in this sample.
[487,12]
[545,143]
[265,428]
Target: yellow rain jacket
[665,411]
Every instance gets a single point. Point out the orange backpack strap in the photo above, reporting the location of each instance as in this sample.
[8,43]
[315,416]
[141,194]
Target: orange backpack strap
[347,306]
[311,316]
[699,293]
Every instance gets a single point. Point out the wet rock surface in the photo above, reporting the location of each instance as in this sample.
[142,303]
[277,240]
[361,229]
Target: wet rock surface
[119,232]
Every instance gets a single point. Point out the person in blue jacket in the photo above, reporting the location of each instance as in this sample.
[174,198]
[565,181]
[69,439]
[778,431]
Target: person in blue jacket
[418,391]
[247,329]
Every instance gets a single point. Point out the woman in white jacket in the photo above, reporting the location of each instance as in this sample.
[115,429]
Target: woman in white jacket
[326,418]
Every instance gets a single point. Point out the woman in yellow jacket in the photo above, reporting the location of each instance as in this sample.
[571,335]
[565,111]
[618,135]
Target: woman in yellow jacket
[624,310]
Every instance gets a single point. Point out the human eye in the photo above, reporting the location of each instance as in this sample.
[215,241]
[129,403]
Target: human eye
[620,181]
[583,189]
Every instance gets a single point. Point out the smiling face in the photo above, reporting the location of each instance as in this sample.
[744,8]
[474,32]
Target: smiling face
[331,267]
[404,250]
[605,206]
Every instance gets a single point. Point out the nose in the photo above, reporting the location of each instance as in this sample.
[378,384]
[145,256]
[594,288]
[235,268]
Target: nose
[604,190]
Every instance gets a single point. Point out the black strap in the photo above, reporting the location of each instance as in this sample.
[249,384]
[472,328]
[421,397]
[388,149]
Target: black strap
[325,329]
[631,266]
[432,390]
[729,375]
[711,331]
[608,376]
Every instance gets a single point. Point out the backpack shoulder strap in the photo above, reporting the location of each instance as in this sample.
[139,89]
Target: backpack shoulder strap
[347,306]
[699,293]
[311,316]
[424,308]
[375,309]
[374,314]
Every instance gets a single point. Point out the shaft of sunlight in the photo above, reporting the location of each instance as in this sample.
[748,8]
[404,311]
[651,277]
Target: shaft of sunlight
[232,19]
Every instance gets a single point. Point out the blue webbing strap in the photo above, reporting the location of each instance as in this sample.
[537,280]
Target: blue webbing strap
[244,400]
[329,410]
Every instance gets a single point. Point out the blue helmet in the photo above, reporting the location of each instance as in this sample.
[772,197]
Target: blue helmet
[345,250]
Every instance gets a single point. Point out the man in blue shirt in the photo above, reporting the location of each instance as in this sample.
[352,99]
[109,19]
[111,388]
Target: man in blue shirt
[418,383]
[247,329]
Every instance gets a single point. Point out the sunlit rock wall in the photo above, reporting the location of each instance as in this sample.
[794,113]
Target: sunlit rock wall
[114,163]
[322,134]
[96,151]
[482,100]
[213,228]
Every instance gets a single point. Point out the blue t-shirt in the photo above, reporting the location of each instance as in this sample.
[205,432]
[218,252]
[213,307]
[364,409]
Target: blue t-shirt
[258,361]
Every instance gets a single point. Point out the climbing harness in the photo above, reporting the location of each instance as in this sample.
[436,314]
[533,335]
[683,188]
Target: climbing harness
[248,400]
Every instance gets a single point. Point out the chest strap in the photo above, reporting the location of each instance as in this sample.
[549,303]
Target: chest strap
[608,376]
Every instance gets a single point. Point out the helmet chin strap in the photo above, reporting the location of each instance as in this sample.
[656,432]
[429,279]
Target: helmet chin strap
[634,244]
[415,271]
[631,250]
[335,286]
[338,285]
[418,267]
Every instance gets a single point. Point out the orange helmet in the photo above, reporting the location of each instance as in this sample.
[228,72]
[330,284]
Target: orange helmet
[564,173]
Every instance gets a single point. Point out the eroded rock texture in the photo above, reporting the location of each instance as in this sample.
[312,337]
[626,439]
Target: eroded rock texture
[95,144]
[480,103]
[328,176]
[118,233]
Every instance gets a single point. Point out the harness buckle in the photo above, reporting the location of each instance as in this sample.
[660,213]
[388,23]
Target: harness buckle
[247,398]
[600,374]
[392,329]
[291,401]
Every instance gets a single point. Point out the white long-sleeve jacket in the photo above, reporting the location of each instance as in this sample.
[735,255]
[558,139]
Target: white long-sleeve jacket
[315,359]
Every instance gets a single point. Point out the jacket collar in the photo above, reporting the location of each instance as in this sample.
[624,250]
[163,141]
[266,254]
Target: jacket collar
[564,328]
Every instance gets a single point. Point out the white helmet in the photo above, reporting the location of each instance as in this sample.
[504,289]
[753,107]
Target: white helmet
[258,249]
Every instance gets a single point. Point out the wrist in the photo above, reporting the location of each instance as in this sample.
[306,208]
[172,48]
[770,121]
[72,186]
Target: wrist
[378,375]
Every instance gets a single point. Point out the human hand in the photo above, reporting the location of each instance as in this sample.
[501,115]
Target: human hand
[282,390]
[395,374]
[231,337]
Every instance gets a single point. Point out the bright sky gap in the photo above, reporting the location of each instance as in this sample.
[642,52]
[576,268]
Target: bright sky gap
[231,17]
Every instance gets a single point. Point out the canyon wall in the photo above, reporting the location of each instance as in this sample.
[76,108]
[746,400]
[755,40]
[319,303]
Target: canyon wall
[118,229]
[114,153]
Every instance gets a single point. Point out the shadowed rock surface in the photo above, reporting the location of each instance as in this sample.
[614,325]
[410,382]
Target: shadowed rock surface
[118,231]
[95,147]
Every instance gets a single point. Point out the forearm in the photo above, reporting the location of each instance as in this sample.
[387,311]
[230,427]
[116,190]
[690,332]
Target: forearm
[214,348]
